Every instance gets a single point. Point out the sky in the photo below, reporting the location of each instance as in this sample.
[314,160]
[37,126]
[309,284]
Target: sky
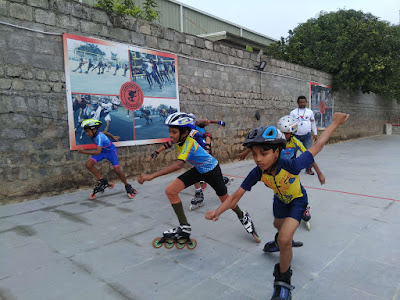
[275,18]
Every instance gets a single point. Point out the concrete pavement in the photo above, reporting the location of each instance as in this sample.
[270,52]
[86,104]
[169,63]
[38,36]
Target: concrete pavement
[70,247]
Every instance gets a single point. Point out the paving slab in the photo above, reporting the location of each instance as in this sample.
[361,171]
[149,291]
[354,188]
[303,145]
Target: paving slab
[71,247]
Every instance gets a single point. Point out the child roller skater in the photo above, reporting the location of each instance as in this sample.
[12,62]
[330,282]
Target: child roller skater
[200,137]
[105,149]
[288,126]
[290,198]
[206,168]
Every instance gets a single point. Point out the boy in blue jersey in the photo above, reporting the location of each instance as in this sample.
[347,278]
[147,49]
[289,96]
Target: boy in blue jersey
[105,149]
[206,168]
[290,198]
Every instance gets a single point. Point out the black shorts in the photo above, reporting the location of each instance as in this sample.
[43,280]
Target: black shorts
[213,178]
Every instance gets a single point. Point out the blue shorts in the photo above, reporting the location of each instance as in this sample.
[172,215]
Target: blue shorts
[111,156]
[294,209]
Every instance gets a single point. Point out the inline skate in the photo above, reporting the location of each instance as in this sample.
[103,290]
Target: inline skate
[272,246]
[228,180]
[306,217]
[249,226]
[180,236]
[282,287]
[197,201]
[131,191]
[101,185]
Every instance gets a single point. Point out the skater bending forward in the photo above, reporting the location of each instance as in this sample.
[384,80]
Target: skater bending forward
[290,198]
[105,149]
[206,168]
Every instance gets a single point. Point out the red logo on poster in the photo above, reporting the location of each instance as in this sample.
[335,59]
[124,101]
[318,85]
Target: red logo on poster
[322,107]
[131,95]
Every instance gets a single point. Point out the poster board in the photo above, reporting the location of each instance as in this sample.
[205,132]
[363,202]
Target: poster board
[321,104]
[130,89]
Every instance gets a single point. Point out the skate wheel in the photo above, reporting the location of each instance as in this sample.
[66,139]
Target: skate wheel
[256,237]
[180,244]
[156,243]
[111,186]
[131,196]
[169,244]
[192,244]
[203,185]
[92,196]
[191,207]
[308,225]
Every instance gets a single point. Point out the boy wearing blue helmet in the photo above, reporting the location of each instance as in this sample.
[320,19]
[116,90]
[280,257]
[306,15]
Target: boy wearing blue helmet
[205,168]
[290,198]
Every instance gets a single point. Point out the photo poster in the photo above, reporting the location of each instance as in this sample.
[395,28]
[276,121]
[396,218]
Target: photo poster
[321,104]
[130,89]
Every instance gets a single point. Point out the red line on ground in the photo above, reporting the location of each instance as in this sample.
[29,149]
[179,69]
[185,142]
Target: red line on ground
[334,191]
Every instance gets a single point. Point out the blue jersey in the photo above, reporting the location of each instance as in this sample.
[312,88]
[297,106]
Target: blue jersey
[102,140]
[194,154]
[198,136]
[286,182]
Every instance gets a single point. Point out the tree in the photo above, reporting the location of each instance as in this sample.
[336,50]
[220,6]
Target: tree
[128,7]
[359,50]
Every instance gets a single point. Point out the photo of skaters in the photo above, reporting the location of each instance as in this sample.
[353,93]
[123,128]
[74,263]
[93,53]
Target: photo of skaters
[149,119]
[154,73]
[322,105]
[96,68]
[142,124]
[108,110]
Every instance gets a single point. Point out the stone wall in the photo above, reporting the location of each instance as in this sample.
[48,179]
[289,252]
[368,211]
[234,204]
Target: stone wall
[215,81]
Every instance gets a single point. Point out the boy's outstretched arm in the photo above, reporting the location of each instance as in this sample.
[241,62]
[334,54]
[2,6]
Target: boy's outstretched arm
[175,166]
[230,202]
[338,119]
[165,146]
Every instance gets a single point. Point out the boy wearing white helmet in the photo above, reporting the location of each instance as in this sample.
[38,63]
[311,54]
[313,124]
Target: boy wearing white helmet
[290,197]
[205,168]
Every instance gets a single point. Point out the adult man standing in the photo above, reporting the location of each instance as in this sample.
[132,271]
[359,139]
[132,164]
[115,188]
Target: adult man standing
[306,124]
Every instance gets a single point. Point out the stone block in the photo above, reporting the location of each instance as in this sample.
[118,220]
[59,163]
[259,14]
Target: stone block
[90,27]
[18,85]
[151,41]
[3,7]
[44,46]
[145,28]
[5,83]
[69,22]
[45,17]
[190,40]
[186,49]
[20,42]
[39,3]
[137,38]
[21,11]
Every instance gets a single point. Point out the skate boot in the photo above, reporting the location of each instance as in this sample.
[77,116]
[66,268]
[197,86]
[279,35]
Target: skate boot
[249,226]
[131,191]
[306,217]
[228,180]
[180,236]
[282,287]
[197,201]
[272,246]
[102,184]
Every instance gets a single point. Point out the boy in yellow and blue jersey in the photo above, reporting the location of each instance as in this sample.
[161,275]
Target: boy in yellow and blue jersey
[205,168]
[290,197]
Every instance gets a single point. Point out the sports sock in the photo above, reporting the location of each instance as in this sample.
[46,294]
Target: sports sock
[178,208]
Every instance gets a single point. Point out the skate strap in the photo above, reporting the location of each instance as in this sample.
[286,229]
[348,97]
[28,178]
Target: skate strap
[284,284]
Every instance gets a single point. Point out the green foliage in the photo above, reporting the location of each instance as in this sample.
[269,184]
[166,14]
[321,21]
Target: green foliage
[91,48]
[360,51]
[128,7]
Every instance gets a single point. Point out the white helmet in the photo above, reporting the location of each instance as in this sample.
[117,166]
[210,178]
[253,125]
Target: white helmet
[287,124]
[179,119]
[192,116]
[115,101]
